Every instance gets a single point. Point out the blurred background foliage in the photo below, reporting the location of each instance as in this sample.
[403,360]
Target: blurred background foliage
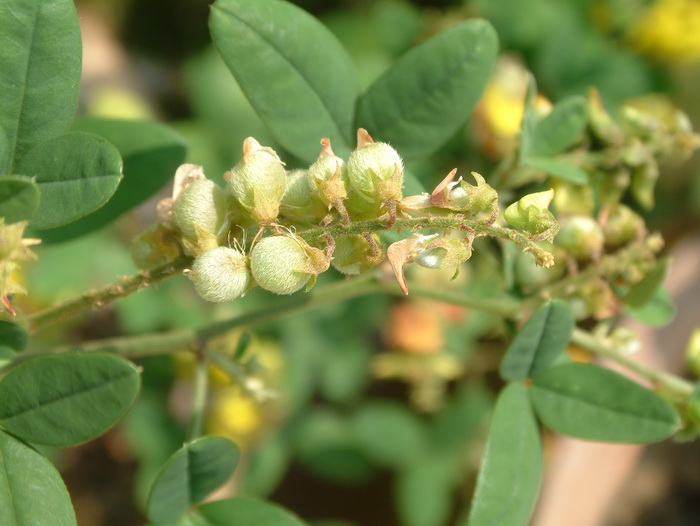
[370,412]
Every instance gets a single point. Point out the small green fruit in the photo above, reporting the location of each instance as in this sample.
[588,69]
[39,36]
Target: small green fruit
[375,170]
[200,210]
[220,274]
[280,264]
[258,182]
[581,237]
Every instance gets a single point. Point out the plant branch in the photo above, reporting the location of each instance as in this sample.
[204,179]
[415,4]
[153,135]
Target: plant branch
[199,396]
[99,297]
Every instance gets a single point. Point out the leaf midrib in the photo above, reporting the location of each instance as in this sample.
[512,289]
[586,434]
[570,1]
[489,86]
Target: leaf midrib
[63,396]
[324,105]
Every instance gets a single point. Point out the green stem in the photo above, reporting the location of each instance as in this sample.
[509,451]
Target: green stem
[199,397]
[673,385]
[99,297]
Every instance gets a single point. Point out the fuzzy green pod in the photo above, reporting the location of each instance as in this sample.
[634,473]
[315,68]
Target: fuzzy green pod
[200,213]
[298,206]
[622,225]
[220,274]
[375,170]
[531,214]
[285,264]
[582,237]
[327,177]
[258,182]
[355,255]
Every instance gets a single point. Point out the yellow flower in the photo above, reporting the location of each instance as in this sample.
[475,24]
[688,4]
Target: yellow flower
[669,30]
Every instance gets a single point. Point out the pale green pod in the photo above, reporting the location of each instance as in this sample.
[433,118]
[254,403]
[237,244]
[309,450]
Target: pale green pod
[258,182]
[279,264]
[375,172]
[201,207]
[220,274]
[622,225]
[581,236]
[354,255]
[298,205]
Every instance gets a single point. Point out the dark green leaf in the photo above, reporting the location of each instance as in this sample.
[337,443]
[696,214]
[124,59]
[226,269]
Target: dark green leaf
[245,511]
[76,172]
[40,65]
[657,312]
[66,399]
[31,490]
[151,153]
[4,153]
[593,403]
[558,168]
[429,92]
[424,491]
[19,198]
[13,336]
[389,433]
[545,335]
[561,128]
[511,471]
[191,473]
[295,73]
[641,293]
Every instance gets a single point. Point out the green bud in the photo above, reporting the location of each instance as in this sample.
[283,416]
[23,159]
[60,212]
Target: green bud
[600,122]
[530,276]
[443,253]
[200,213]
[285,264]
[531,215]
[327,177]
[622,225]
[355,255]
[220,274]
[582,237]
[258,182]
[644,179]
[298,206]
[375,170]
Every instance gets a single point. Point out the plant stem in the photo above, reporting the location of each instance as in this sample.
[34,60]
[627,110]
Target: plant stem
[673,385]
[199,397]
[98,297]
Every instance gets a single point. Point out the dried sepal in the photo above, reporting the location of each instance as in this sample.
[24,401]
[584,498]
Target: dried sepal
[403,252]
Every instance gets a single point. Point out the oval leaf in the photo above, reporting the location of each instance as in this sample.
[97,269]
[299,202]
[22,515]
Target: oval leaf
[40,66]
[561,128]
[151,153]
[590,402]
[31,490]
[511,471]
[13,336]
[292,69]
[245,511]
[19,198]
[77,173]
[66,399]
[430,91]
[191,473]
[545,335]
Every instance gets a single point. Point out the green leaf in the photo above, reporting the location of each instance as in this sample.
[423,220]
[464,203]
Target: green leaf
[63,400]
[561,128]
[40,66]
[642,293]
[245,511]
[544,337]
[511,471]
[423,491]
[430,91]
[590,402]
[19,198]
[151,153]
[4,153]
[527,128]
[13,336]
[294,72]
[389,433]
[560,168]
[191,473]
[76,172]
[657,312]
[31,490]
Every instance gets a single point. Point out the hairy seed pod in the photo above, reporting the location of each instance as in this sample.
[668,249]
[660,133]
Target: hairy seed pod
[279,264]
[220,274]
[201,207]
[375,171]
[581,237]
[258,181]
